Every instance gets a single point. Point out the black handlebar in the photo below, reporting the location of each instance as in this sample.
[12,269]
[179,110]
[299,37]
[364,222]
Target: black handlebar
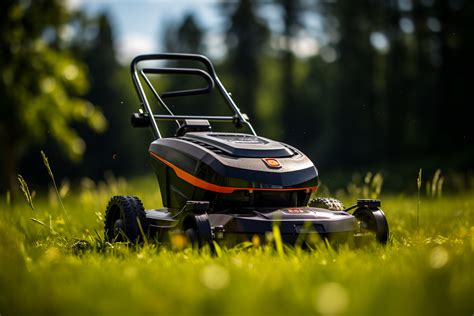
[149,119]
[183,71]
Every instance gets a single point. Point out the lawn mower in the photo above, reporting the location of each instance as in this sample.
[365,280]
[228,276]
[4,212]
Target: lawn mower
[227,187]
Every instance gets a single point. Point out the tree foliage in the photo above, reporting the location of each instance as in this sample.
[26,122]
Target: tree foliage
[246,37]
[41,82]
[185,37]
[111,90]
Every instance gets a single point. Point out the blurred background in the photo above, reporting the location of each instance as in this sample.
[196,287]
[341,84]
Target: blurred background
[359,86]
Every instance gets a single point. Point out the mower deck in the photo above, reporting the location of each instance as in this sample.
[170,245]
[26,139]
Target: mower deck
[243,225]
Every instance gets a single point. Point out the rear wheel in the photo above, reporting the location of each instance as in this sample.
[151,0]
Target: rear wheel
[327,203]
[372,222]
[123,217]
[198,230]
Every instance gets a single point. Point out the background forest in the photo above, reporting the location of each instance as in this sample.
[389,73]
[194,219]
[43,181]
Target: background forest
[385,86]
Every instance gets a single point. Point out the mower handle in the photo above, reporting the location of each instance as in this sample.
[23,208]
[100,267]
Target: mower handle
[184,71]
[240,119]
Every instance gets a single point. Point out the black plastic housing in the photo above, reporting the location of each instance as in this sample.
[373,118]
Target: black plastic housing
[228,170]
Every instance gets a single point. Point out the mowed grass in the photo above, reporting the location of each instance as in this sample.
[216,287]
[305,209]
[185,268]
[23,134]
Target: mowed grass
[425,270]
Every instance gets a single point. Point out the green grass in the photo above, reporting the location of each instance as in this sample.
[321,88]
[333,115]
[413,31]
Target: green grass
[425,270]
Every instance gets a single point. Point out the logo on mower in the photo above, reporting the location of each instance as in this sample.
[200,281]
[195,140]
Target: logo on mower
[272,163]
[295,210]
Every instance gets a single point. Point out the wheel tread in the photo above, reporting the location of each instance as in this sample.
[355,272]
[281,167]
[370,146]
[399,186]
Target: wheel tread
[331,204]
[130,208]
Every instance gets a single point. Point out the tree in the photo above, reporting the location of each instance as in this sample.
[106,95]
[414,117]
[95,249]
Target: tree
[358,106]
[246,38]
[112,91]
[404,98]
[292,110]
[454,123]
[186,37]
[41,83]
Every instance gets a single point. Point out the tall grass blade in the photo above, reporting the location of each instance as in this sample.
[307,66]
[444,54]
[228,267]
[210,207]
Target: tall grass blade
[145,239]
[26,191]
[377,183]
[434,183]
[50,228]
[8,198]
[278,240]
[217,249]
[439,189]
[98,237]
[418,182]
[50,172]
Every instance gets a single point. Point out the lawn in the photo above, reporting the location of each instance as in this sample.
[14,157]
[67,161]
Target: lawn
[426,269]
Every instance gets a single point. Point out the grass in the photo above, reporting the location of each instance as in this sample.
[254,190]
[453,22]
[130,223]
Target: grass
[427,269]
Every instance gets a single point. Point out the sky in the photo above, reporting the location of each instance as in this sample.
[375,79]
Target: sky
[139,24]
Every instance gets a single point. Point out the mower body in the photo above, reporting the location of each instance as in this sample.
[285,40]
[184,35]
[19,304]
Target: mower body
[231,170]
[248,183]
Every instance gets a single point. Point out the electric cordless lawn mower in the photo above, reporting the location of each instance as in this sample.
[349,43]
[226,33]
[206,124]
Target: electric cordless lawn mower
[227,187]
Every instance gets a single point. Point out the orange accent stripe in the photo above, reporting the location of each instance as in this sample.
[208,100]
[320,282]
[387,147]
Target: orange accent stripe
[214,187]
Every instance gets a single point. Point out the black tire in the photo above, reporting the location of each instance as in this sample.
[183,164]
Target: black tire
[373,221]
[198,230]
[122,218]
[327,203]
[192,236]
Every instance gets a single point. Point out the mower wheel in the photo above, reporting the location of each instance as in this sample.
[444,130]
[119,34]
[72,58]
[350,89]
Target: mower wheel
[373,221]
[326,203]
[198,230]
[123,217]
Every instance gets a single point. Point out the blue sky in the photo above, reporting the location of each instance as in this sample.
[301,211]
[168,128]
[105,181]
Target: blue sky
[139,24]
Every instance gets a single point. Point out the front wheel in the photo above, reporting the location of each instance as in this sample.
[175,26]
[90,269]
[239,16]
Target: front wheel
[123,217]
[373,222]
